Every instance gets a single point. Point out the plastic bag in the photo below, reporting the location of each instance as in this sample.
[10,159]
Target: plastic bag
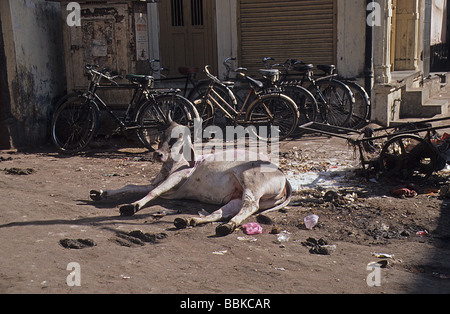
[252,228]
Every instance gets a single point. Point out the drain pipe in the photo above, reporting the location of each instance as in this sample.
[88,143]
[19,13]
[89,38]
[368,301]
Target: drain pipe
[368,64]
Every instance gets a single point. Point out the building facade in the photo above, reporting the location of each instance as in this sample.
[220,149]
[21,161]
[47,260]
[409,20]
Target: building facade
[43,55]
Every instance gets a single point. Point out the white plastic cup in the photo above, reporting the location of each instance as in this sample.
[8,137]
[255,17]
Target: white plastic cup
[311,221]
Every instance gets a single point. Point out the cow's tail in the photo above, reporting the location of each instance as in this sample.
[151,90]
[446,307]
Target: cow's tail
[286,201]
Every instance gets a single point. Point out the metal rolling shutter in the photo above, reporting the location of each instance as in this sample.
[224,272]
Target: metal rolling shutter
[300,29]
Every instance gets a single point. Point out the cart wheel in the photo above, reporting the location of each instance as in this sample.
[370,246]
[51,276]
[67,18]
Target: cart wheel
[408,158]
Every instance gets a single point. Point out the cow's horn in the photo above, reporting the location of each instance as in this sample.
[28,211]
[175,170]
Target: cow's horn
[169,117]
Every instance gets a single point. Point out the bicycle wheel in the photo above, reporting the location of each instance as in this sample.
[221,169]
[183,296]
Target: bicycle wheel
[74,123]
[361,107]
[154,116]
[218,93]
[273,110]
[199,92]
[408,158]
[206,112]
[335,101]
[305,101]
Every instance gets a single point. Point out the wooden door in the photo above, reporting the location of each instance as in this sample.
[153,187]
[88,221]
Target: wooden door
[103,39]
[188,34]
[405,35]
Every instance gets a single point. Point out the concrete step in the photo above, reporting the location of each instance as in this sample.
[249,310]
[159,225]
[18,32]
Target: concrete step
[418,104]
[424,101]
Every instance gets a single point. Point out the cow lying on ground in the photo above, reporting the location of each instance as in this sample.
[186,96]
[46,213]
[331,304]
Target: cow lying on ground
[241,187]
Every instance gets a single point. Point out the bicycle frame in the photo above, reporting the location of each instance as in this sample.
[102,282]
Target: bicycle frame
[223,105]
[139,91]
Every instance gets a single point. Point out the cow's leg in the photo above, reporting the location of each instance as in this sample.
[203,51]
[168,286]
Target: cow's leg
[165,186]
[225,212]
[98,195]
[250,205]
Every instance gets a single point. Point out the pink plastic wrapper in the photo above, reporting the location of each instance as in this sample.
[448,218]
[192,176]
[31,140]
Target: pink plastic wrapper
[252,228]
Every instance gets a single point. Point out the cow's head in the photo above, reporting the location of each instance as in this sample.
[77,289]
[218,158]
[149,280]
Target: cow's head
[175,144]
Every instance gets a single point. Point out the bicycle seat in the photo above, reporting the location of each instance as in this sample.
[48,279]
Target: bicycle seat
[271,75]
[269,72]
[303,67]
[327,68]
[188,70]
[139,78]
[255,83]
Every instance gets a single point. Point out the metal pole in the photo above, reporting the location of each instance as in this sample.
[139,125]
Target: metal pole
[368,66]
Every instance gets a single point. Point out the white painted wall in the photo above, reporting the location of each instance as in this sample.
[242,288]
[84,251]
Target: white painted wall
[351,37]
[227,33]
[35,66]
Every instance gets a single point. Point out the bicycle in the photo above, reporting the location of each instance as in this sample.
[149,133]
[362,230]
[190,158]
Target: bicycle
[239,88]
[201,87]
[268,110]
[306,103]
[335,99]
[189,74]
[362,107]
[76,119]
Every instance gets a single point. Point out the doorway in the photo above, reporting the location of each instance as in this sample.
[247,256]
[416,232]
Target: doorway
[405,35]
[188,34]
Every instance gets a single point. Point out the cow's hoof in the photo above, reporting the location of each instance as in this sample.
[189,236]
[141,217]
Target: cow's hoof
[128,210]
[96,195]
[225,229]
[181,223]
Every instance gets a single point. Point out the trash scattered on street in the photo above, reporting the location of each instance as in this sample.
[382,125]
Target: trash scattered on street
[422,233]
[247,239]
[441,276]
[320,246]
[382,255]
[220,252]
[408,190]
[311,221]
[252,228]
[283,236]
[275,230]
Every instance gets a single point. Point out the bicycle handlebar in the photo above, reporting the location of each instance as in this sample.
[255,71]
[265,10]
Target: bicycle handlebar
[104,73]
[227,65]
[212,77]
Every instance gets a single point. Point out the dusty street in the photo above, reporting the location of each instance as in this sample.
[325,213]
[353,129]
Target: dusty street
[45,199]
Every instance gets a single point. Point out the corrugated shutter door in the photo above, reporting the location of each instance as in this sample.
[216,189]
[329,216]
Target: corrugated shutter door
[300,29]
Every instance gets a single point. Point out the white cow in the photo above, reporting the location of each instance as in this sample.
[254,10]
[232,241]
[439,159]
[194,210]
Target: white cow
[241,187]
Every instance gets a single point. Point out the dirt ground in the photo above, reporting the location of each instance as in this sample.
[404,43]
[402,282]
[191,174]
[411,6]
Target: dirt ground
[45,199]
